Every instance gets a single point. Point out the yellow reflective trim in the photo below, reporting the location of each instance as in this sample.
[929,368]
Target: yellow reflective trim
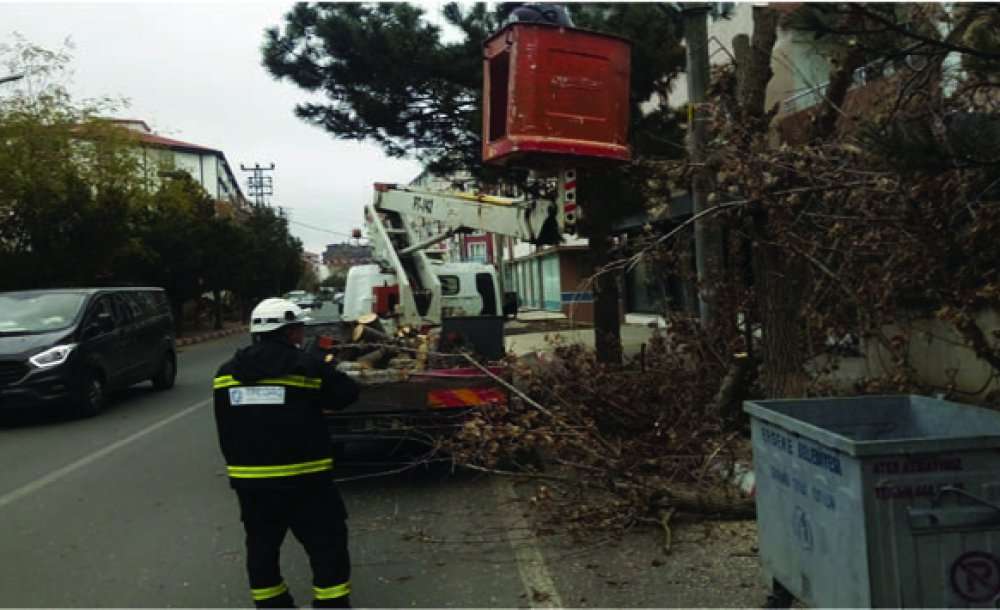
[269,592]
[491,199]
[252,474]
[298,381]
[295,381]
[333,592]
[225,381]
[279,470]
[322,462]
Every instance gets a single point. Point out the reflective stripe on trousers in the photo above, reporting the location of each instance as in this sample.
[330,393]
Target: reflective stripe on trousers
[279,470]
[268,592]
[341,590]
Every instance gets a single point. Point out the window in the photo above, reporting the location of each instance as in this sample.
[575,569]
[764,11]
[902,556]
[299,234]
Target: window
[477,252]
[146,302]
[159,300]
[101,306]
[122,309]
[499,83]
[487,291]
[449,285]
[32,312]
[135,304]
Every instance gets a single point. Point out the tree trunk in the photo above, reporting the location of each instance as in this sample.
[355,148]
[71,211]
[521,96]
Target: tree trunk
[778,279]
[826,119]
[754,67]
[607,320]
[246,308]
[217,300]
[178,308]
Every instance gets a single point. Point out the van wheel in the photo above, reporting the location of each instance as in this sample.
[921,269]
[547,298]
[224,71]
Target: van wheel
[92,394]
[164,379]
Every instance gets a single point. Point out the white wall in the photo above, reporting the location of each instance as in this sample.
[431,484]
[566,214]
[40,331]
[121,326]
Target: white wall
[191,163]
[792,57]
[210,169]
[207,169]
[938,355]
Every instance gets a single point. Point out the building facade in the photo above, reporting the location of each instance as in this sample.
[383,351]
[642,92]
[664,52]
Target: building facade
[553,278]
[799,67]
[477,248]
[161,156]
[311,260]
[343,256]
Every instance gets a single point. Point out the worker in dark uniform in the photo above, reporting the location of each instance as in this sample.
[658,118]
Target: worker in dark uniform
[537,12]
[268,402]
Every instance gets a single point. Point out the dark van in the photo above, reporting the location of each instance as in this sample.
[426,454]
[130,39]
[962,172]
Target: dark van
[77,345]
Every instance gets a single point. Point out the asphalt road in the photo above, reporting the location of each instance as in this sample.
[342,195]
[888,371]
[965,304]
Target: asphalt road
[132,509]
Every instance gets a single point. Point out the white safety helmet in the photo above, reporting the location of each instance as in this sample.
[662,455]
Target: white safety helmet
[272,314]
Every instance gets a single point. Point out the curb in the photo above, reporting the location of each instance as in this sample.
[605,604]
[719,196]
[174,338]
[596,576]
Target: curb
[215,334]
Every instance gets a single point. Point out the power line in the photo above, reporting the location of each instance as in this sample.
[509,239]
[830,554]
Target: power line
[315,228]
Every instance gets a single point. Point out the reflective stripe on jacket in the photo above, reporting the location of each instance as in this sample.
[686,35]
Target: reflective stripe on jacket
[292,381]
[268,410]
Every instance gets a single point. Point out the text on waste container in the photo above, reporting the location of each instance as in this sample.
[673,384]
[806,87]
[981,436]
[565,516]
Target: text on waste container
[805,452]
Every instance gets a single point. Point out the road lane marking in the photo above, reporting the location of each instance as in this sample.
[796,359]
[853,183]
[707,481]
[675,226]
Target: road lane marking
[535,575]
[68,469]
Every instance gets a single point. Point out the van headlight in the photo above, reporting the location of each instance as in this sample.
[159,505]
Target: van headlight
[53,356]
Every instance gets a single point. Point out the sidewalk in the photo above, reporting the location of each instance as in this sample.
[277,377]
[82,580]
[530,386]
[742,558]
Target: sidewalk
[530,315]
[230,328]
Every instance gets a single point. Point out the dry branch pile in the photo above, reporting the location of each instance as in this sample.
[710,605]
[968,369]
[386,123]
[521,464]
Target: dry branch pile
[621,445]
[880,215]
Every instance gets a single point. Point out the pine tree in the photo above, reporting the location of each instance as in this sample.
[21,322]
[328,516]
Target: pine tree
[390,77]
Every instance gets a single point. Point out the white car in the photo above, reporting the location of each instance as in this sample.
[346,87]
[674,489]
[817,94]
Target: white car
[304,299]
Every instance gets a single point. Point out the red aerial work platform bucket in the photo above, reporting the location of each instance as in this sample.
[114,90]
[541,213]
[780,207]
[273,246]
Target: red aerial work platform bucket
[555,96]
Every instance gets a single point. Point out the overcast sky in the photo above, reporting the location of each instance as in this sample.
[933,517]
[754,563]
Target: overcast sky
[193,72]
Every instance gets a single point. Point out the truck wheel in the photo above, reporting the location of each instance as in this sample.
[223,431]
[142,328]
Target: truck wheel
[164,379]
[91,396]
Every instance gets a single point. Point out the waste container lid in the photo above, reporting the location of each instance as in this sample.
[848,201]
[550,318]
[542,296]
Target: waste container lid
[883,425]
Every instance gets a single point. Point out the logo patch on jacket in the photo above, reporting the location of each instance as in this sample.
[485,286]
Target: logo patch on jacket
[257,395]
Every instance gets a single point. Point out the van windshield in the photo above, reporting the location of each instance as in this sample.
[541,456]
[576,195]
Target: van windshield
[34,312]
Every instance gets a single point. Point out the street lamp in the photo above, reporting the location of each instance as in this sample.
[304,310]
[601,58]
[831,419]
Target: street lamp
[11,78]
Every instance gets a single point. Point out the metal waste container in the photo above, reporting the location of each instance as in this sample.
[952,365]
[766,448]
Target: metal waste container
[879,501]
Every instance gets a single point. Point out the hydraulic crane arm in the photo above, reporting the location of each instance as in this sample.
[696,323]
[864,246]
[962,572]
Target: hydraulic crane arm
[400,248]
[541,222]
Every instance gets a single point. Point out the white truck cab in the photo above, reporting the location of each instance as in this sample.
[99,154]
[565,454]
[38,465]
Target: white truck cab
[467,289]
[359,298]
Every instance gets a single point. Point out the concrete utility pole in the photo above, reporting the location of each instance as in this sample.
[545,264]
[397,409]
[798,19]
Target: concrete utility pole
[499,241]
[259,186]
[707,239]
